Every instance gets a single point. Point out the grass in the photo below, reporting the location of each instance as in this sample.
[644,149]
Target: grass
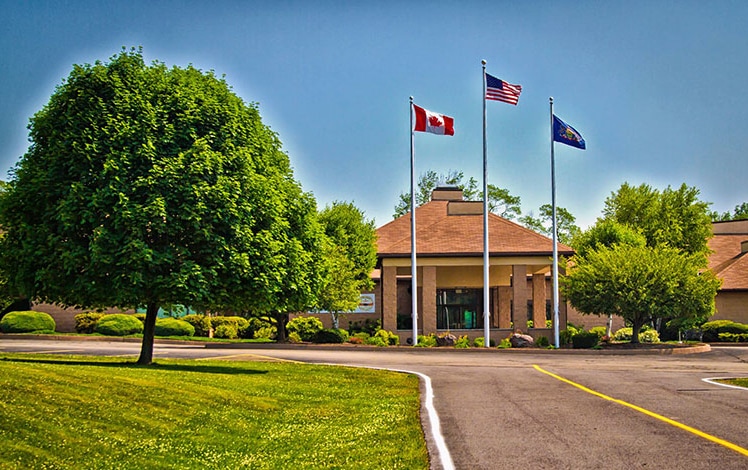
[87,412]
[739,382]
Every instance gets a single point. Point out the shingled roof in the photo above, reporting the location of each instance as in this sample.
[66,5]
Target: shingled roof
[455,228]
[728,261]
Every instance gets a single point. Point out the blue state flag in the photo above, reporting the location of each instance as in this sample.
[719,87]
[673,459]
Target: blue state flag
[566,134]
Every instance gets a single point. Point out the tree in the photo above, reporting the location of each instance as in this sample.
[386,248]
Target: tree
[500,201]
[640,284]
[147,185]
[739,213]
[567,229]
[675,218]
[606,233]
[351,256]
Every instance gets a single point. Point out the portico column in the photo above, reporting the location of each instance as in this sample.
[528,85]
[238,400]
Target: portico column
[519,292]
[389,298]
[538,300]
[428,301]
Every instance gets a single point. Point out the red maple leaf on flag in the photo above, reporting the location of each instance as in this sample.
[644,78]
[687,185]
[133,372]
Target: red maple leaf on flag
[434,121]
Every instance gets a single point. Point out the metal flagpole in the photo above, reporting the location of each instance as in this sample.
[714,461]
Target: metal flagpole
[413,266]
[555,237]
[486,300]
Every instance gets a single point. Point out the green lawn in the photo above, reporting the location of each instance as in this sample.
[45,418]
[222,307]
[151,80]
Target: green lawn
[740,382]
[86,412]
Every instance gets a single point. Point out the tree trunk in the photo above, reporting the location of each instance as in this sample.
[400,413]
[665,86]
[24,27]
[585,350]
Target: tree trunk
[636,328]
[149,329]
[281,319]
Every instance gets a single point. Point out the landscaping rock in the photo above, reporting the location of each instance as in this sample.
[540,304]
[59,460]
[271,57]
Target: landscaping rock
[521,341]
[446,340]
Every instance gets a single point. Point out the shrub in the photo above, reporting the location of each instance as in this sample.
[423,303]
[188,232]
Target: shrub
[140,316]
[330,336]
[259,327]
[599,330]
[27,322]
[305,327]
[118,324]
[294,337]
[388,337]
[368,326]
[504,344]
[542,342]
[480,342]
[712,329]
[226,330]
[201,324]
[428,341]
[733,337]
[463,342]
[565,336]
[376,341]
[173,327]
[585,340]
[645,336]
[86,322]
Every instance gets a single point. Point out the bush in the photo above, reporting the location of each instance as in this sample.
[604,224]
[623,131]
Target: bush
[426,341]
[226,330]
[368,326]
[480,342]
[376,341]
[294,337]
[140,316]
[330,336]
[585,340]
[565,336]
[504,344]
[259,327]
[27,322]
[599,330]
[390,338]
[712,329]
[201,324]
[118,324]
[305,327]
[463,342]
[645,336]
[173,327]
[542,342]
[86,322]
[733,337]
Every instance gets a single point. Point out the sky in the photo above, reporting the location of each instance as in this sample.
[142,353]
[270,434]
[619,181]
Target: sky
[656,88]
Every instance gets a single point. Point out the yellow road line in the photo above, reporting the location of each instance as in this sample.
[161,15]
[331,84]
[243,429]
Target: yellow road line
[669,421]
[257,356]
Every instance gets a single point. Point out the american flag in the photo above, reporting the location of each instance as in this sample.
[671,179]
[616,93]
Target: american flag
[499,90]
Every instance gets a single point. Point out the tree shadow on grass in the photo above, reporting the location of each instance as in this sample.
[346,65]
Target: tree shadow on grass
[182,367]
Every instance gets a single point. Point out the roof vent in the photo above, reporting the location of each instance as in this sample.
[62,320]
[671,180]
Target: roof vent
[744,247]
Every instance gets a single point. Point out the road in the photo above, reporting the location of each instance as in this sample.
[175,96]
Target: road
[511,409]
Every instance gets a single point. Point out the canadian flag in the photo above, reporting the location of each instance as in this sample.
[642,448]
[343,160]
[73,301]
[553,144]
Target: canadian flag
[436,123]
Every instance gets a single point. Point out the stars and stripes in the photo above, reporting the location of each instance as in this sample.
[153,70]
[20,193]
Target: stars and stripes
[499,90]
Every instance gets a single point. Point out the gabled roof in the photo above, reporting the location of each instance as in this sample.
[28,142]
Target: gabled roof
[443,234]
[728,262]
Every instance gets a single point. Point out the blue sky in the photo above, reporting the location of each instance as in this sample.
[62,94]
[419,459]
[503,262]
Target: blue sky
[656,88]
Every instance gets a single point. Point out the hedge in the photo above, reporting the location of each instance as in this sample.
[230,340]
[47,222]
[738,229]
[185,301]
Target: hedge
[118,324]
[27,322]
[86,322]
[173,327]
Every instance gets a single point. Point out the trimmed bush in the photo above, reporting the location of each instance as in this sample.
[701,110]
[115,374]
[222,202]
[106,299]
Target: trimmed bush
[480,342]
[599,330]
[565,336]
[463,342]
[585,340]
[376,341]
[712,329]
[173,327]
[27,322]
[86,322]
[390,338]
[118,324]
[426,341]
[542,342]
[201,324]
[140,316]
[305,327]
[645,336]
[734,337]
[649,336]
[226,331]
[330,336]
[294,337]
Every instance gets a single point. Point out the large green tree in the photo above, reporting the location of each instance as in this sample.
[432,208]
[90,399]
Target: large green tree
[566,222]
[500,201]
[352,254]
[641,284]
[671,217]
[146,185]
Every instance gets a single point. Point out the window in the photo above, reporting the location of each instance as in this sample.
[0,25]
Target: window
[459,309]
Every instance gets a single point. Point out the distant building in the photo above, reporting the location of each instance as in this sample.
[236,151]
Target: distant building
[729,262]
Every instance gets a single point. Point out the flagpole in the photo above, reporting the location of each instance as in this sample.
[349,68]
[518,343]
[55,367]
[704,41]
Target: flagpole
[486,266]
[413,266]
[555,237]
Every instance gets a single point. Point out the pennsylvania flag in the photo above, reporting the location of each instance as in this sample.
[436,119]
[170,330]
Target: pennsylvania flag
[566,134]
